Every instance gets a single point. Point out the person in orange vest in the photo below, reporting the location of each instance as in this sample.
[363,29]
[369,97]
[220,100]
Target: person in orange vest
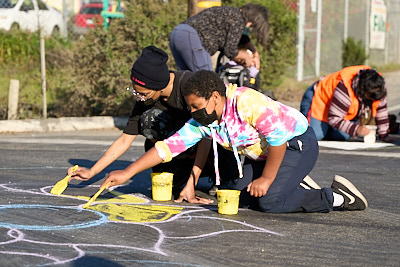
[339,105]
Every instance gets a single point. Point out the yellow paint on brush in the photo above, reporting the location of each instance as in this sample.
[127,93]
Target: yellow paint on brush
[61,185]
[93,198]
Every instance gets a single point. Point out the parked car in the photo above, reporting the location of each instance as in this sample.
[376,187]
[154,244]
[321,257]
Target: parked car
[30,15]
[88,16]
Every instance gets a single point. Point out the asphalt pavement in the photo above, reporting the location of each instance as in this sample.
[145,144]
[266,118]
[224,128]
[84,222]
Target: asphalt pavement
[125,227]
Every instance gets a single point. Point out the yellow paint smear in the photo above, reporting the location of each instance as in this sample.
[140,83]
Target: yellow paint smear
[137,213]
[121,198]
[131,213]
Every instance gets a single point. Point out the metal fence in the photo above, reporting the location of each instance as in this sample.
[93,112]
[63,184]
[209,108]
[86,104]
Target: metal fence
[325,24]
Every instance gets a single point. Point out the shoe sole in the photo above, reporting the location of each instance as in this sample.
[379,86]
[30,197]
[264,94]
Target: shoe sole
[351,188]
[309,183]
[213,191]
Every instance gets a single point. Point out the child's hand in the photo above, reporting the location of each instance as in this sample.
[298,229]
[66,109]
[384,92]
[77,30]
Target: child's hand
[259,187]
[81,173]
[116,178]
[362,131]
[188,194]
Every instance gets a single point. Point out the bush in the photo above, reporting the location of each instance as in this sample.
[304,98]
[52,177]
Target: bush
[353,53]
[20,59]
[100,69]
[89,76]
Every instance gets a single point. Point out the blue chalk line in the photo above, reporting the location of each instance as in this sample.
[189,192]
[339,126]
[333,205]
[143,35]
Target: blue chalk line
[102,219]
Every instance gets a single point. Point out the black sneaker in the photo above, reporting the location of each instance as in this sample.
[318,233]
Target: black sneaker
[353,199]
[309,183]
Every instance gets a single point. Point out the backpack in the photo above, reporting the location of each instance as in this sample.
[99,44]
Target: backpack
[239,75]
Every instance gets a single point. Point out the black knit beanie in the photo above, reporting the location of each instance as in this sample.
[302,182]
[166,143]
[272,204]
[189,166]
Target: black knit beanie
[150,70]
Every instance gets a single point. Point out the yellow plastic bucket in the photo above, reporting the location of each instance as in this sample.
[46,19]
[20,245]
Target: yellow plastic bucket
[228,201]
[161,185]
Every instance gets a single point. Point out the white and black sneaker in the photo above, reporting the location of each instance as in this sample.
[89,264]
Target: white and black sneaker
[353,199]
[309,183]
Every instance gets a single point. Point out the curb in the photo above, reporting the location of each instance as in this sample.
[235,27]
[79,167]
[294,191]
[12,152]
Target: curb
[62,124]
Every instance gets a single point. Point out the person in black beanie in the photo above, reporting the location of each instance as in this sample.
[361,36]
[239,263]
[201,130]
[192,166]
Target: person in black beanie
[160,110]
[150,70]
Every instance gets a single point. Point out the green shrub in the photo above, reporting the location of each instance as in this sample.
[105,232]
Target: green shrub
[353,53]
[18,47]
[89,76]
[102,61]
[100,69]
[20,59]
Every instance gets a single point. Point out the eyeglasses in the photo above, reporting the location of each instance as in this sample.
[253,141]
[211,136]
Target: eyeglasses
[140,96]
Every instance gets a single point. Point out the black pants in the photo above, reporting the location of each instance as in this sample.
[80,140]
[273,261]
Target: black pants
[284,194]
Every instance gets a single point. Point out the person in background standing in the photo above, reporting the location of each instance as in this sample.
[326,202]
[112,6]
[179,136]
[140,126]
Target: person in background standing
[195,40]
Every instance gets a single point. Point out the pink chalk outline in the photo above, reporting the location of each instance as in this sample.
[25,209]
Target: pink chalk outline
[17,235]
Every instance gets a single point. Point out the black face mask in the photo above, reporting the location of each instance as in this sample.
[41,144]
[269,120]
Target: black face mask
[203,118]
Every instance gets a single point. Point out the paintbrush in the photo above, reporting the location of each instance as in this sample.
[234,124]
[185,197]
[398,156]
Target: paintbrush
[87,205]
[61,185]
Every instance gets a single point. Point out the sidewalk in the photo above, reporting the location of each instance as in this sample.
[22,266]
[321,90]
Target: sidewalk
[61,124]
[392,80]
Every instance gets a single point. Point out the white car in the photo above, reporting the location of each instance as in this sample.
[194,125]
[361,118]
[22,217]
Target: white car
[30,15]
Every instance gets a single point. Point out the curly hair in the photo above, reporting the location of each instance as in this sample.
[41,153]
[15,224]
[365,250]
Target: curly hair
[372,84]
[203,83]
[258,16]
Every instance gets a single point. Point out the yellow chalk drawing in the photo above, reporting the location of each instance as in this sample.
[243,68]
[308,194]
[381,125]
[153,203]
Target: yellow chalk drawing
[137,213]
[121,198]
[124,208]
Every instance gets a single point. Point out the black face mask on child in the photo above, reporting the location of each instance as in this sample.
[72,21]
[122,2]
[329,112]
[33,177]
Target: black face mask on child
[203,118]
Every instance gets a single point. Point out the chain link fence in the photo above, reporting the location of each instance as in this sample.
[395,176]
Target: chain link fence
[325,24]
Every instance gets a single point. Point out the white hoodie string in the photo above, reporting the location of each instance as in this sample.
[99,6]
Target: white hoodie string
[215,148]
[236,153]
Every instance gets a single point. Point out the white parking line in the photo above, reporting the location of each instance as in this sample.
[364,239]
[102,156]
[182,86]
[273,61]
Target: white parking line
[369,153]
[62,141]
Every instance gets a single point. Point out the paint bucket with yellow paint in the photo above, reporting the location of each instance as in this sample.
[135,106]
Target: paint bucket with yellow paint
[161,185]
[228,201]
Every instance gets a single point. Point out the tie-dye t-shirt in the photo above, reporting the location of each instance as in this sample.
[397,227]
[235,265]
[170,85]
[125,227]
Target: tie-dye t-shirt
[251,122]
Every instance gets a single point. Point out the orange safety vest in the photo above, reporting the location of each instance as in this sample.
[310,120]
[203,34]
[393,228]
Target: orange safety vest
[323,94]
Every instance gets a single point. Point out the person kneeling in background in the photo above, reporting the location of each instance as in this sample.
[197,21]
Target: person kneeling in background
[279,146]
